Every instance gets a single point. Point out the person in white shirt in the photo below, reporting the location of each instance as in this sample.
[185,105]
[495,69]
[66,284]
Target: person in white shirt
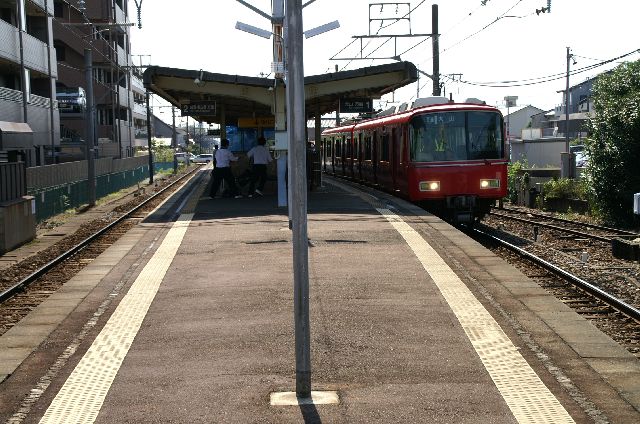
[222,171]
[261,158]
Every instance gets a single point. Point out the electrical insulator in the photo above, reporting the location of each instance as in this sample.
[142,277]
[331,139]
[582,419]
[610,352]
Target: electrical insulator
[549,6]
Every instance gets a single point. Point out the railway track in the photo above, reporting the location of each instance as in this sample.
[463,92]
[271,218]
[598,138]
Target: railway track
[601,288]
[576,228]
[25,285]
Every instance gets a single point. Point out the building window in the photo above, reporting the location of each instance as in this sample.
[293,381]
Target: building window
[58,9]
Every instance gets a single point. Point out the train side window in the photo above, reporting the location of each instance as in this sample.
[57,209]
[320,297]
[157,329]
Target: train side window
[349,148]
[367,147]
[384,151]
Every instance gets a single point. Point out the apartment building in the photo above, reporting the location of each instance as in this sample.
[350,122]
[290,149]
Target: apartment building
[101,26]
[29,117]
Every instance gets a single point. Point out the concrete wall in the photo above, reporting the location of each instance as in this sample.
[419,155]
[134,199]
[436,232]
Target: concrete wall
[17,223]
[538,153]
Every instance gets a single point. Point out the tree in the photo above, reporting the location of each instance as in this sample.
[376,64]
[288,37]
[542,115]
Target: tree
[614,146]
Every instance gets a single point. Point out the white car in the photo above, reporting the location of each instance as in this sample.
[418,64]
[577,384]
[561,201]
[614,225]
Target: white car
[581,155]
[582,159]
[203,158]
[182,157]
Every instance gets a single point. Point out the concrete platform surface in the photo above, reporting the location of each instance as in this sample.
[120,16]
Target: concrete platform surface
[410,321]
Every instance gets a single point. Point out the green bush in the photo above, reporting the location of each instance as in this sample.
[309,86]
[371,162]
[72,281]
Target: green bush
[565,188]
[513,181]
[614,146]
[161,153]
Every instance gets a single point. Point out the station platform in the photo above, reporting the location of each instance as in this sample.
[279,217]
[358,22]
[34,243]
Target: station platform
[191,321]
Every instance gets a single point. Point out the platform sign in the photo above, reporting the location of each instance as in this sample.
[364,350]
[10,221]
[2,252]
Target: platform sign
[356,105]
[260,122]
[198,108]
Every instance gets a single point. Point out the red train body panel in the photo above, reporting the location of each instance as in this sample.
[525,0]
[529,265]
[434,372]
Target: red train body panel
[449,157]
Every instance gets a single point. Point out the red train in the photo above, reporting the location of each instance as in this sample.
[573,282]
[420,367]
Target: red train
[447,157]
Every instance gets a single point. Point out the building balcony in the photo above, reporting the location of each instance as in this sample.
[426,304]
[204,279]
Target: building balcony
[34,51]
[40,3]
[140,110]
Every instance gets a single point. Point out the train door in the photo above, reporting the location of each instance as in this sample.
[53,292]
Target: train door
[330,154]
[349,156]
[343,155]
[367,148]
[402,174]
[357,158]
[384,174]
[374,156]
[395,147]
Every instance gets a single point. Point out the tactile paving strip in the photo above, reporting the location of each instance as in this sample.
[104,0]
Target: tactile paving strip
[526,395]
[81,397]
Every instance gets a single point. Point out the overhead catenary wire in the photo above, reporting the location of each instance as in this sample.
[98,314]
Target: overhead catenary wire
[377,32]
[541,80]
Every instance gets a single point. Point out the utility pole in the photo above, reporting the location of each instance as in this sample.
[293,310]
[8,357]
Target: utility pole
[149,138]
[90,137]
[436,49]
[567,164]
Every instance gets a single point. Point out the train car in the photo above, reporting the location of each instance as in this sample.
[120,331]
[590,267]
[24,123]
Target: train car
[448,157]
[337,150]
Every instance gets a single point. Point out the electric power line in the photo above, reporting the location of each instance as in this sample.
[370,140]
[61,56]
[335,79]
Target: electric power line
[541,80]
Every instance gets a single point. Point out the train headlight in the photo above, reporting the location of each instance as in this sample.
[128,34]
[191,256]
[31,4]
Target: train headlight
[495,183]
[429,185]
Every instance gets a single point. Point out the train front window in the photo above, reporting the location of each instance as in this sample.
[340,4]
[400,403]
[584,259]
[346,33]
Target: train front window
[484,135]
[451,136]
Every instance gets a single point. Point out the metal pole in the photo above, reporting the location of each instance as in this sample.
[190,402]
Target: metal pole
[297,180]
[23,69]
[186,143]
[174,139]
[566,114]
[50,81]
[149,138]
[436,49]
[90,136]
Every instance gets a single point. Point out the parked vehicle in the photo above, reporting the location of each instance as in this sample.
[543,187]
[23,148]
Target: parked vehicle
[581,155]
[71,99]
[203,158]
[182,157]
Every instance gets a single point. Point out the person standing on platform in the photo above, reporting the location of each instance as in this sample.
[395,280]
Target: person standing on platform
[261,158]
[222,171]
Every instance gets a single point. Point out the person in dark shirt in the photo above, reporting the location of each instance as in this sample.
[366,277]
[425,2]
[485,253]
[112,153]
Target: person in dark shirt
[222,171]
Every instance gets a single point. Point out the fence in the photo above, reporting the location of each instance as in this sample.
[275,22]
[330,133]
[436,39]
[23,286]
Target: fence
[57,188]
[12,181]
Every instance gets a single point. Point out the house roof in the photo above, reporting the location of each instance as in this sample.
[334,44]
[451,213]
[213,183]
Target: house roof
[515,110]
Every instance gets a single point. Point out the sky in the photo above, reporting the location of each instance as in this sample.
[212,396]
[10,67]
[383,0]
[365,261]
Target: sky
[489,49]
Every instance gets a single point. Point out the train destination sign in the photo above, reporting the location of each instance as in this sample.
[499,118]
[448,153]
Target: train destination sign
[356,105]
[198,108]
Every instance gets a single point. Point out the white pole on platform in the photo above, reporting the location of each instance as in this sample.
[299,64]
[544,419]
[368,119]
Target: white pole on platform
[298,207]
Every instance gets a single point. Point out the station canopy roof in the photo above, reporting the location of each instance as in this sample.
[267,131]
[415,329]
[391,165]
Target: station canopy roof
[241,96]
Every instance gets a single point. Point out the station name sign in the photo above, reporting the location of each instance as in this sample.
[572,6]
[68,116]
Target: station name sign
[198,108]
[260,122]
[356,105]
